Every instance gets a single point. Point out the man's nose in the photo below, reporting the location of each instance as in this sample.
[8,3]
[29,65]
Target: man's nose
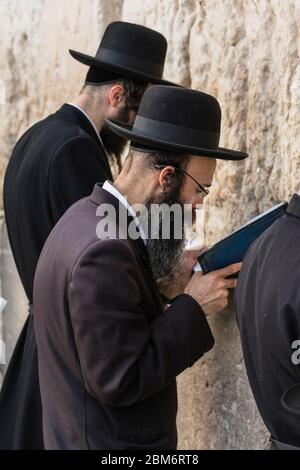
[199,201]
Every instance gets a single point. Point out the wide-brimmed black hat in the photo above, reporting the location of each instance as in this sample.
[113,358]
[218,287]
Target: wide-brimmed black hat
[131,50]
[291,399]
[178,120]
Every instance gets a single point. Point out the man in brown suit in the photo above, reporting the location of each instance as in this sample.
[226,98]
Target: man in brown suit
[109,347]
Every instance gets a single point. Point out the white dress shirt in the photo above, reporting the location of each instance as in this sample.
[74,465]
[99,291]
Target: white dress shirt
[89,119]
[110,188]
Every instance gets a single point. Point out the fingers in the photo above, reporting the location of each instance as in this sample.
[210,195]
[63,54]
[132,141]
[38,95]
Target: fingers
[223,299]
[229,270]
[230,283]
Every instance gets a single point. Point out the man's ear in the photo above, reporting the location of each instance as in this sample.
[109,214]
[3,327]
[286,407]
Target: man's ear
[165,175]
[116,95]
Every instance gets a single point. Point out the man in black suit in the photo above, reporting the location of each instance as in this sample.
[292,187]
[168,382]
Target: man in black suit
[291,397]
[268,311]
[109,348]
[54,164]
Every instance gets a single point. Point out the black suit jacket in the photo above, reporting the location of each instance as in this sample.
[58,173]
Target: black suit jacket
[54,164]
[268,309]
[108,350]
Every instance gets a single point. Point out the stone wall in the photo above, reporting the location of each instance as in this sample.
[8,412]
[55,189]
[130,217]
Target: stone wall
[246,53]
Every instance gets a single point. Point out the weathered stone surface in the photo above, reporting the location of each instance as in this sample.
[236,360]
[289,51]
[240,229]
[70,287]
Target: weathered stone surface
[38,72]
[246,53]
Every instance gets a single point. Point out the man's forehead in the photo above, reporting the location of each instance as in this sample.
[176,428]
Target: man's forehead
[202,162]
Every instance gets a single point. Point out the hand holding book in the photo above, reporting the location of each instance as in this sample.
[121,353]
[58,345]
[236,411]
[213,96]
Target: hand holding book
[232,248]
[211,290]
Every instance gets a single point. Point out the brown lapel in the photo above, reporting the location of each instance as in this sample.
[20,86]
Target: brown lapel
[100,196]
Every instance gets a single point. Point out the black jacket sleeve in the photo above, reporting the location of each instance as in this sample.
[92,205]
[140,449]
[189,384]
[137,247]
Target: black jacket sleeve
[123,358]
[75,168]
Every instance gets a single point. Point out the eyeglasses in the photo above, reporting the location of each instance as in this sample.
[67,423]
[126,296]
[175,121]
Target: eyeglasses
[202,191]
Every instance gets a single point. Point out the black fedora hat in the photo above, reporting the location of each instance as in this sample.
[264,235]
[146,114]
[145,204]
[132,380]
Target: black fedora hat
[291,399]
[178,120]
[131,50]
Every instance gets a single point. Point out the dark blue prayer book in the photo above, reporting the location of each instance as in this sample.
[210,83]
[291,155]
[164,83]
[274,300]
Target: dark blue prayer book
[232,248]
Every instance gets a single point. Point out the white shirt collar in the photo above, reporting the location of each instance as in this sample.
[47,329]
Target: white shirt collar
[107,186]
[89,119]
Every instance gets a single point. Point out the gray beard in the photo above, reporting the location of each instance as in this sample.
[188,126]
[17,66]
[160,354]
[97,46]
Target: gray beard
[166,256]
[166,261]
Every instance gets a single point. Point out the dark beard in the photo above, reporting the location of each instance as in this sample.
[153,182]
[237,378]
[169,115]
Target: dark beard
[166,255]
[113,143]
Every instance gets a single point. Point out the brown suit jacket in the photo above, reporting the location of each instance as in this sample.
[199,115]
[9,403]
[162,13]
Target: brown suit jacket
[108,351]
